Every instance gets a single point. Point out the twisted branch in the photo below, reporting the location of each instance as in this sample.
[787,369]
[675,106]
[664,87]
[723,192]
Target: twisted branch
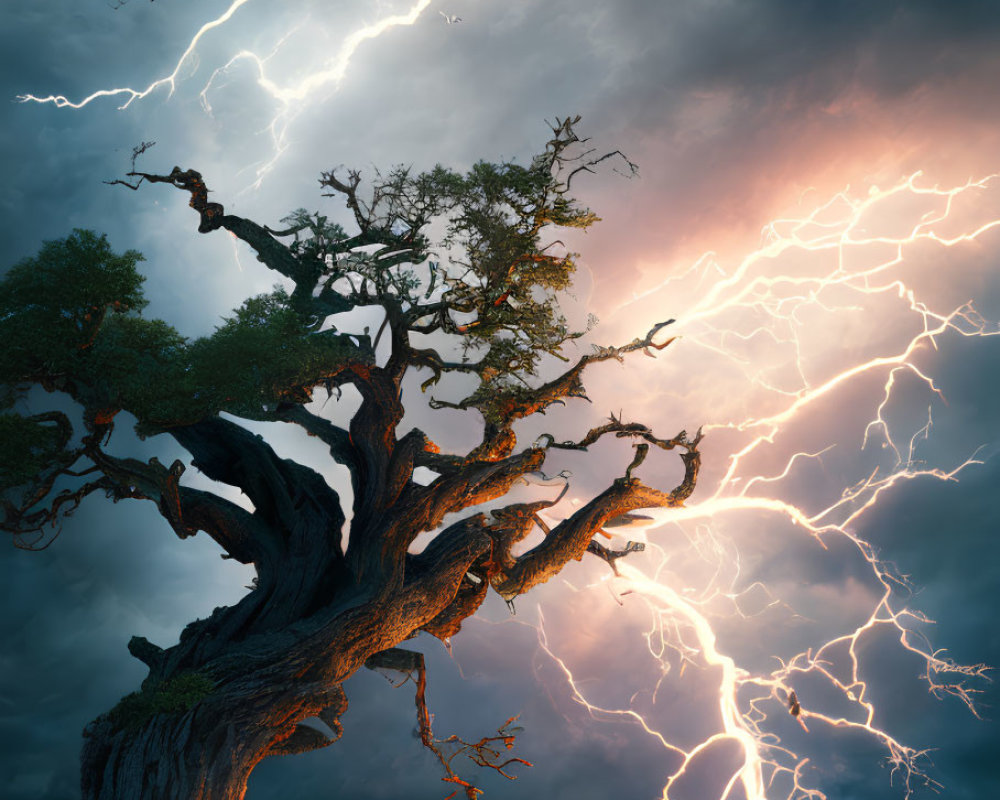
[490,751]
[571,538]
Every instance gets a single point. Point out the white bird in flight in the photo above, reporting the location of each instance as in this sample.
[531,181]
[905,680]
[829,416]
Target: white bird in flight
[450,18]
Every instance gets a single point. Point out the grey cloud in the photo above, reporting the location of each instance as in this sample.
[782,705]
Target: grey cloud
[454,94]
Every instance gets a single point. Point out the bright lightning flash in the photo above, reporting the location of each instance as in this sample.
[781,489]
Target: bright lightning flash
[136,94]
[758,321]
[808,273]
[292,96]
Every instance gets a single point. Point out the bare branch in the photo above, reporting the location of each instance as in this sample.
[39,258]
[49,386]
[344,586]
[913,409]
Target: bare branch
[349,190]
[28,527]
[502,407]
[621,430]
[335,437]
[490,751]
[611,556]
[305,272]
[570,539]
[137,151]
[524,403]
[27,522]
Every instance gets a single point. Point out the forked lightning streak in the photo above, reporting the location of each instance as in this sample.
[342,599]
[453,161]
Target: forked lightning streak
[778,294]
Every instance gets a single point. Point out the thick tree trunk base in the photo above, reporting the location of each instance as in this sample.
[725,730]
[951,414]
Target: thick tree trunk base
[189,756]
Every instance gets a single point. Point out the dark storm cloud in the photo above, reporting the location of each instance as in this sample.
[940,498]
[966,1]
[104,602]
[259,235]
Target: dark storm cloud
[812,49]
[640,72]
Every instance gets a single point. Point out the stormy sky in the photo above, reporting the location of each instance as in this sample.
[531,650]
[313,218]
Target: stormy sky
[737,113]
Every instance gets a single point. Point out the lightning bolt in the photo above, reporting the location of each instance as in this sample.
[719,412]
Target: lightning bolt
[832,263]
[841,270]
[292,97]
[135,94]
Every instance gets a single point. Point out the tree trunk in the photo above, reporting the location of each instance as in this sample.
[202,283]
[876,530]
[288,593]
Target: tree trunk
[207,750]
[230,694]
[196,755]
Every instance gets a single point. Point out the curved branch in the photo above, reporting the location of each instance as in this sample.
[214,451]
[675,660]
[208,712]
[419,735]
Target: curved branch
[147,481]
[334,710]
[18,519]
[507,526]
[621,430]
[570,539]
[272,253]
[228,453]
[335,437]
[236,530]
[611,556]
[468,484]
[429,358]
[469,597]
[502,408]
[304,739]
[490,751]
[455,544]
[278,488]
[21,522]
[349,190]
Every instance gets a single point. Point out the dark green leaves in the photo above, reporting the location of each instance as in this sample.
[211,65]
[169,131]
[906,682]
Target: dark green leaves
[52,304]
[68,321]
[29,446]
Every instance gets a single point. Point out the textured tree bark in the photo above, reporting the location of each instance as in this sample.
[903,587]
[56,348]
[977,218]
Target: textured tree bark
[241,685]
[254,693]
[208,751]
[276,658]
[279,656]
[200,755]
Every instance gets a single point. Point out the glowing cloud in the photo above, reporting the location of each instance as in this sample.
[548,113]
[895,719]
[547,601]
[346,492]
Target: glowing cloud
[775,294]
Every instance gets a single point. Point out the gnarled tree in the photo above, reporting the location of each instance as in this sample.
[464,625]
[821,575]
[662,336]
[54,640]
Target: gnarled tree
[329,597]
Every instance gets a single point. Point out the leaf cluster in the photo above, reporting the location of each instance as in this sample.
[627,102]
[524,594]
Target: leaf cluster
[498,287]
[53,304]
[315,237]
[70,321]
[29,446]
[510,279]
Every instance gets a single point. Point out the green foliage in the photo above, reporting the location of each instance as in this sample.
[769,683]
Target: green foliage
[70,316]
[135,364]
[261,355]
[502,275]
[52,307]
[52,304]
[28,447]
[501,212]
[69,321]
[322,237]
[173,696]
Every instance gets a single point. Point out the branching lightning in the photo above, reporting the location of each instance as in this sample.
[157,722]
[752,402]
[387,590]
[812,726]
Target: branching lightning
[839,270]
[135,94]
[775,295]
[292,97]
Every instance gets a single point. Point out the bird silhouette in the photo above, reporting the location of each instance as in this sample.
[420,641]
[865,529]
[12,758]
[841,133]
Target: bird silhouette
[451,19]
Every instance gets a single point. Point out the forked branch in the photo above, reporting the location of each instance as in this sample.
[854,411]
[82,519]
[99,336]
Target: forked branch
[490,751]
[571,538]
